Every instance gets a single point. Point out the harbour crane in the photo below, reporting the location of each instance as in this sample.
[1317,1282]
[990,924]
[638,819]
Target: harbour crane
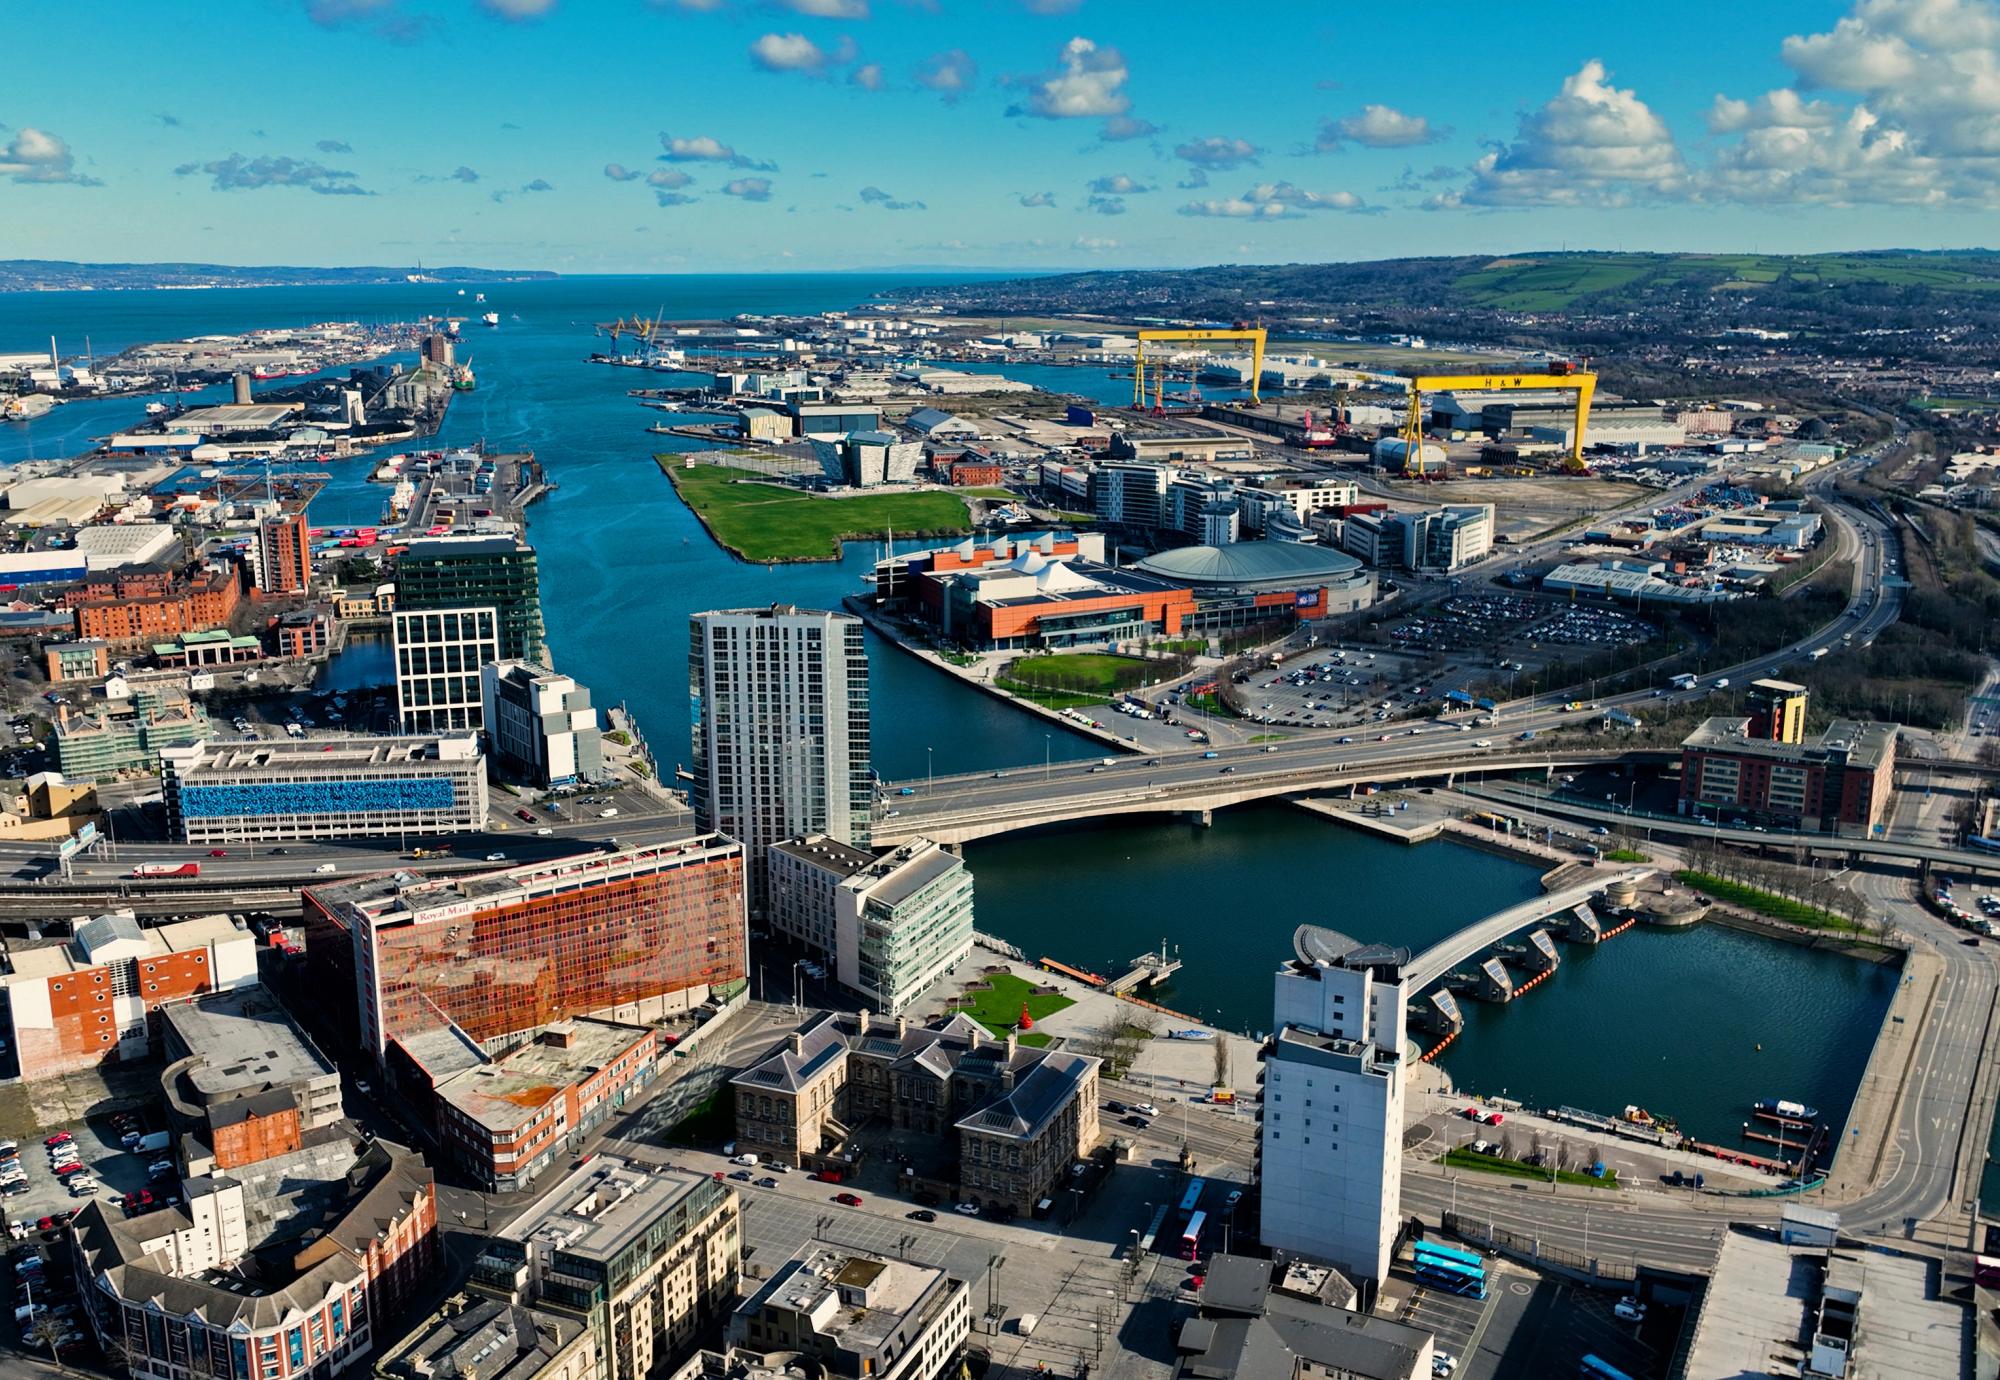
[1254,334]
[1560,376]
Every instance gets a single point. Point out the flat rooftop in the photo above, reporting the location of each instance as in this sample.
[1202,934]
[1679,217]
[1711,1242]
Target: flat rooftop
[397,898]
[1848,742]
[245,1041]
[509,1091]
[828,853]
[811,1285]
[892,879]
[56,959]
[598,1210]
[293,754]
[1763,1307]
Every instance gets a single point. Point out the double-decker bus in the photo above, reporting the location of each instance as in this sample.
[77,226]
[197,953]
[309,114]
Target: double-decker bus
[1451,1277]
[1191,1236]
[1436,1250]
[1192,1198]
[1595,1367]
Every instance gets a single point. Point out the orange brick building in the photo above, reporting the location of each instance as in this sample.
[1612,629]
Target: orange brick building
[97,997]
[154,605]
[243,1082]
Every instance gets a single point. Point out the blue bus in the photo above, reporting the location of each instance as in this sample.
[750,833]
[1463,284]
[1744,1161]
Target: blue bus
[1438,1251]
[1597,1368]
[1452,1278]
[1192,1198]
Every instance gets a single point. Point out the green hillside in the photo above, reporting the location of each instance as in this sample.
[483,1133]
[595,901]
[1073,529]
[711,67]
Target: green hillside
[1555,282]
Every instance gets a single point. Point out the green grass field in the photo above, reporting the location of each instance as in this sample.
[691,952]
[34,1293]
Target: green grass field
[1493,1164]
[764,522]
[1764,902]
[1000,1007]
[1097,673]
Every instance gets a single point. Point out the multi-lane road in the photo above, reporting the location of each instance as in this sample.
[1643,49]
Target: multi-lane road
[985,803]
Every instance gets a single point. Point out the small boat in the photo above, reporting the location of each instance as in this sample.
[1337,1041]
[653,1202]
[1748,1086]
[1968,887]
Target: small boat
[1793,1111]
[1192,1034]
[1638,1116]
[491,318]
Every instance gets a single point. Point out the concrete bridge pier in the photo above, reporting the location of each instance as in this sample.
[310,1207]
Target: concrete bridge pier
[1204,818]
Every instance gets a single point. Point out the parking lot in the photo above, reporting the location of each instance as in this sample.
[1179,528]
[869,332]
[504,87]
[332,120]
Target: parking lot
[1542,1326]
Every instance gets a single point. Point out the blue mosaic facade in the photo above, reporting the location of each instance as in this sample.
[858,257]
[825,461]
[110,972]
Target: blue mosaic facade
[317,798]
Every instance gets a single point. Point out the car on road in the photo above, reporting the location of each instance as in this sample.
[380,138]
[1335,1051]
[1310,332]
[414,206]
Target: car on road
[544,831]
[1209,755]
[218,852]
[525,816]
[1138,1121]
[1349,740]
[496,857]
[746,1159]
[1629,1309]
[1443,1365]
[921,1215]
[1495,1118]
[767,1182]
[741,1176]
[848,1199]
[1146,1109]
[966,1209]
[1235,1197]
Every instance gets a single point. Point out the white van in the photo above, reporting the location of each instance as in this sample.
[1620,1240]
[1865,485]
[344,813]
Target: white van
[746,1159]
[324,868]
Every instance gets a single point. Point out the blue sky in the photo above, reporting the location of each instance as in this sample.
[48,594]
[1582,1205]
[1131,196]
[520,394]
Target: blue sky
[746,135]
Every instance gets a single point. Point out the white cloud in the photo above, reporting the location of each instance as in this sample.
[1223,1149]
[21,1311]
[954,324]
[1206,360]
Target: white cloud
[875,196]
[787,53]
[1236,208]
[1035,199]
[1922,128]
[1591,145]
[1780,109]
[951,73]
[1089,83]
[703,148]
[667,177]
[1106,205]
[618,172]
[1092,244]
[1218,152]
[1121,127]
[1274,201]
[517,9]
[1376,127]
[829,9]
[1118,184]
[868,76]
[1299,199]
[749,188]
[35,155]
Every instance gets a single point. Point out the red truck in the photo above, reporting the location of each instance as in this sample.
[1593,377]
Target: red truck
[187,869]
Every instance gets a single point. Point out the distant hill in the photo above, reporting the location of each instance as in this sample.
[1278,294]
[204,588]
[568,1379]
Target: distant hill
[1602,282]
[57,275]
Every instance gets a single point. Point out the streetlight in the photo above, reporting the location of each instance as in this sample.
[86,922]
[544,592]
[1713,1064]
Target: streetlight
[796,964]
[929,777]
[1048,759]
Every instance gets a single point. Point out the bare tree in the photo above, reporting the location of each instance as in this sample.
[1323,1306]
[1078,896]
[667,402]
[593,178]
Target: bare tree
[48,1332]
[1221,1060]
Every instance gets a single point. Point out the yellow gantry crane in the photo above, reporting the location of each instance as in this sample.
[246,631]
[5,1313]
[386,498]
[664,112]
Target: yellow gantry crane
[1560,377]
[1253,334]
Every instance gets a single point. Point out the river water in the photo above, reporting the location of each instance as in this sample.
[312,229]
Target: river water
[1669,1021]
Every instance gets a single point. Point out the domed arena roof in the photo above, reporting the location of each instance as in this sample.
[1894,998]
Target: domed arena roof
[1250,563]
